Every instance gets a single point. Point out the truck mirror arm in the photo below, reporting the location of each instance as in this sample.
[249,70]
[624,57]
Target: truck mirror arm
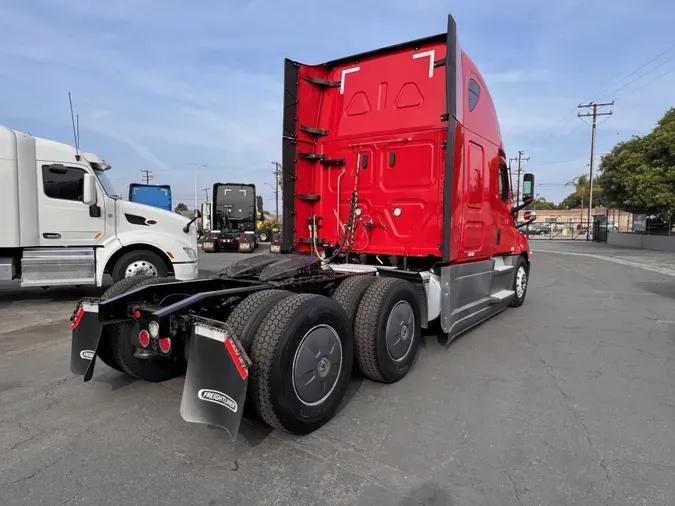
[525,203]
[186,228]
[526,223]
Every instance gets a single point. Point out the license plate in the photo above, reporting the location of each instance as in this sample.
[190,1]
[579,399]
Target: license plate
[275,248]
[244,245]
[208,245]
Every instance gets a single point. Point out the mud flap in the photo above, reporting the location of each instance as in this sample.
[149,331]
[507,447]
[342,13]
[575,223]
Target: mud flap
[86,336]
[217,378]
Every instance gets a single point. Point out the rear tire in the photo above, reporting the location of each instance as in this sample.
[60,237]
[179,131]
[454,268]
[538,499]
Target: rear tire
[350,292]
[105,352]
[387,330]
[249,314]
[152,369]
[303,336]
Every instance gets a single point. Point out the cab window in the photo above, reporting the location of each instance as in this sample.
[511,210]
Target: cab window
[503,182]
[63,183]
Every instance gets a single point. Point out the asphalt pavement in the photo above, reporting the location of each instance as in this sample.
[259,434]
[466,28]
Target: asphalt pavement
[569,399]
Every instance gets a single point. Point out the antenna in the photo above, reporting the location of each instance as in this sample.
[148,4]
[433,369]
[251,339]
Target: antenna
[75,128]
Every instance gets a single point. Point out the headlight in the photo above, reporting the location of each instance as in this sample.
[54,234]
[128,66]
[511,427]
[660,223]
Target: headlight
[190,252]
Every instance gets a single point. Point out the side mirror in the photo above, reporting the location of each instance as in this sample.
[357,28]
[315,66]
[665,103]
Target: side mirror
[89,190]
[528,187]
[530,215]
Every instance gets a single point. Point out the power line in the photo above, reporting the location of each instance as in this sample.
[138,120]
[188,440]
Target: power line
[566,118]
[594,106]
[638,69]
[645,84]
[643,75]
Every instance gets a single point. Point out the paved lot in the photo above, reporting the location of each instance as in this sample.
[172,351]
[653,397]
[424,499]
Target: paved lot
[567,400]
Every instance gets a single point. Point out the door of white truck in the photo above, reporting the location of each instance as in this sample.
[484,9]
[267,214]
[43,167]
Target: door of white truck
[64,218]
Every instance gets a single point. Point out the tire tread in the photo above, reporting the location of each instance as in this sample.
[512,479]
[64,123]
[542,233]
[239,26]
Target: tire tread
[263,349]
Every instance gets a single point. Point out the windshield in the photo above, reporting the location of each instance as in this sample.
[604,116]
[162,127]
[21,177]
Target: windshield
[106,183]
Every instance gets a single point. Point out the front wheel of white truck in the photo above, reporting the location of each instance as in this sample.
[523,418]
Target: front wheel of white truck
[139,263]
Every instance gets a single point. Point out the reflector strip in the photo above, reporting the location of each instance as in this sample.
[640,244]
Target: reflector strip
[77,318]
[222,337]
[243,372]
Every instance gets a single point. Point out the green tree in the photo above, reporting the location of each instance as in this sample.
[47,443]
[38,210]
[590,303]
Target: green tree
[181,207]
[639,174]
[541,203]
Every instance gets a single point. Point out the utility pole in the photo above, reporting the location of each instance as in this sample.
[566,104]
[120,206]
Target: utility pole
[277,177]
[195,166]
[147,175]
[511,177]
[594,106]
[520,160]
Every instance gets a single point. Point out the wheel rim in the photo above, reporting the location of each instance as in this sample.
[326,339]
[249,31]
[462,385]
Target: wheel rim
[521,282]
[400,330]
[317,365]
[140,267]
[263,237]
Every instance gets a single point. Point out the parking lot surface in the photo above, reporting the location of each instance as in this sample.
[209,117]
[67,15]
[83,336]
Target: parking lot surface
[569,399]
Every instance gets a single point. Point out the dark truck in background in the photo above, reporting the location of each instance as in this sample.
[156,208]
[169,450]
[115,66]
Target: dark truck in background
[234,218]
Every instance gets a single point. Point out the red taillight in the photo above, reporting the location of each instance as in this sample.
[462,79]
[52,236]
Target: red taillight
[76,318]
[242,238]
[165,344]
[137,314]
[144,338]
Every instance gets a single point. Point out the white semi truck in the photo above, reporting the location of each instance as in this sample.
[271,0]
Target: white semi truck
[63,224]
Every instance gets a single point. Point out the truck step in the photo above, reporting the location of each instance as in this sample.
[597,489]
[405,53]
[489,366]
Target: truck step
[314,131]
[309,197]
[322,82]
[501,296]
[312,156]
[333,162]
[7,269]
[501,266]
[58,266]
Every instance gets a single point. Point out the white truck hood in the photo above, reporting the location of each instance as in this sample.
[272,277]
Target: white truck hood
[139,223]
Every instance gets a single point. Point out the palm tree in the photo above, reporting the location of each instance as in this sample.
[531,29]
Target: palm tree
[538,200]
[580,184]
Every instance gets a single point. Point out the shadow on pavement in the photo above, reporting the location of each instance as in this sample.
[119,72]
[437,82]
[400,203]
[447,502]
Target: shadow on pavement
[65,293]
[664,289]
[428,494]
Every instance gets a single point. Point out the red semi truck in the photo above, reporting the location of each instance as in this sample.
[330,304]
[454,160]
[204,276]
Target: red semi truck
[397,214]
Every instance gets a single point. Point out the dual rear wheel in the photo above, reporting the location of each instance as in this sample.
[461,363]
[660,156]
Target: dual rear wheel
[303,347]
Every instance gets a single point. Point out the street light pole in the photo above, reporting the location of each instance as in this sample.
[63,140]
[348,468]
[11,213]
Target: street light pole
[195,165]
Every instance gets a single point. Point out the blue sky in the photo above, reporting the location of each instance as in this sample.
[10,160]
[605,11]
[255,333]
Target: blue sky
[166,84]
